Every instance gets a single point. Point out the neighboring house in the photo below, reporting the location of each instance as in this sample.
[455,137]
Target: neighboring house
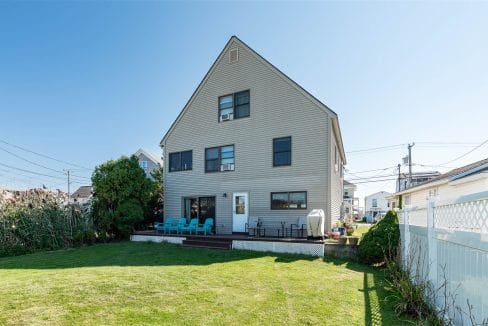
[417,178]
[148,161]
[251,142]
[376,205]
[351,203]
[464,181]
[82,195]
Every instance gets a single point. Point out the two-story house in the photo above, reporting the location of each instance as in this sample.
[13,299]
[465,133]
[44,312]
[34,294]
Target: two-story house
[376,205]
[148,162]
[251,142]
[351,203]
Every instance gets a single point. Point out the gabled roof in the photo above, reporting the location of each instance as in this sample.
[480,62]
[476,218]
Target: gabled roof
[452,175]
[82,192]
[335,121]
[386,193]
[150,156]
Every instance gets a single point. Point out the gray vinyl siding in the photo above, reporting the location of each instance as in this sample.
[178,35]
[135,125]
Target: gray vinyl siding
[277,109]
[151,165]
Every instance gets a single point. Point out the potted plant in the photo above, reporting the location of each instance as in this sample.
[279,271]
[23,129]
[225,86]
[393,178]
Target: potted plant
[342,241]
[349,226]
[353,241]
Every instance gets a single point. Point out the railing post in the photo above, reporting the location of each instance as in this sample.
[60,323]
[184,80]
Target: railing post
[406,232]
[432,243]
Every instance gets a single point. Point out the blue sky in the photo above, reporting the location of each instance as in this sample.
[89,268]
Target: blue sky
[87,82]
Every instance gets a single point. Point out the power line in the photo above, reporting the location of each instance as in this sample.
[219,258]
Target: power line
[29,161]
[361,182]
[465,154]
[364,171]
[45,156]
[376,149]
[32,172]
[373,177]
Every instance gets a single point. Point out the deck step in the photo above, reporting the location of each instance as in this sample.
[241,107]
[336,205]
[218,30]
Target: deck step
[207,243]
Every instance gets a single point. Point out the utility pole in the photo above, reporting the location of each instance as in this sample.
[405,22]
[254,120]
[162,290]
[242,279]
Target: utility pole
[399,166]
[69,183]
[410,164]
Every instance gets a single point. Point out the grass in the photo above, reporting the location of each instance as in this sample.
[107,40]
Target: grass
[360,230]
[146,283]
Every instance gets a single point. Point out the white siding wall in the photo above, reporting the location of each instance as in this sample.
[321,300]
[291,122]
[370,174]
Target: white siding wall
[382,201]
[277,110]
[336,189]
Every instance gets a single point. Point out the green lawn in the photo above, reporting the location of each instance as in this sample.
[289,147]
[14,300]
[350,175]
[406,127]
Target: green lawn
[144,283]
[361,229]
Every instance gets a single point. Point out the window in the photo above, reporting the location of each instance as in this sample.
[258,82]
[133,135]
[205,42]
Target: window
[180,161]
[199,207]
[289,200]
[218,159]
[143,164]
[375,202]
[282,151]
[234,106]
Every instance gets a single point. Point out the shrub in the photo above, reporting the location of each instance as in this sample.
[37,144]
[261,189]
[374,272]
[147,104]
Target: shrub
[42,226]
[381,241]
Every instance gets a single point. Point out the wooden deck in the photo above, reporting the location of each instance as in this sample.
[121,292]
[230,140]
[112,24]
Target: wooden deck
[229,237]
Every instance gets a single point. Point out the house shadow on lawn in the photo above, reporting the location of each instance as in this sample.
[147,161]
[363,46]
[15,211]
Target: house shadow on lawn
[133,254]
[378,309]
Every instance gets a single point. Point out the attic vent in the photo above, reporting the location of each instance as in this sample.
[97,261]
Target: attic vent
[233,55]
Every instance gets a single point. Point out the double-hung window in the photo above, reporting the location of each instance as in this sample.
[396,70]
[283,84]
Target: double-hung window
[289,200]
[180,161]
[143,164]
[219,159]
[282,151]
[234,106]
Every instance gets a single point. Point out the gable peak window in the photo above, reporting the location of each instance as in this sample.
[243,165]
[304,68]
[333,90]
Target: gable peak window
[282,151]
[219,159]
[234,106]
[180,161]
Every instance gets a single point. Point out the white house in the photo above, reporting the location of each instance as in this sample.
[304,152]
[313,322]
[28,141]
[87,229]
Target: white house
[351,203]
[376,205]
[464,181]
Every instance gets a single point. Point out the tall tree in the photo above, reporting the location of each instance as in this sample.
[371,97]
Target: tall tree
[122,195]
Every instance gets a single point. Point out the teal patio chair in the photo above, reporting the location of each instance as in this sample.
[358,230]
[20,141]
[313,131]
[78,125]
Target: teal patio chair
[178,227]
[192,227]
[205,228]
[163,226]
[167,225]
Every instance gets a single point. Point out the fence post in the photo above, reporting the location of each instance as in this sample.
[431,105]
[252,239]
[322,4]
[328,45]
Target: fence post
[432,243]
[406,232]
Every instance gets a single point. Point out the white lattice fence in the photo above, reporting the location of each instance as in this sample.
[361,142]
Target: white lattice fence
[448,244]
[467,216]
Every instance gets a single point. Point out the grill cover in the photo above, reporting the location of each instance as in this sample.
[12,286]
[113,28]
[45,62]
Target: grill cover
[316,223]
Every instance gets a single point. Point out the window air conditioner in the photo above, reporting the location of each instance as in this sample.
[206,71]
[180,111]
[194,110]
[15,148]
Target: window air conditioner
[227,167]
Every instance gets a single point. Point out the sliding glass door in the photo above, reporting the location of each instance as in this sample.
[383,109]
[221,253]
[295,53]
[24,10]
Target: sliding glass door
[199,207]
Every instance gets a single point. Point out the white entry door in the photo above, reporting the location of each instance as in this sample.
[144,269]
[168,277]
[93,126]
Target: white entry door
[240,211]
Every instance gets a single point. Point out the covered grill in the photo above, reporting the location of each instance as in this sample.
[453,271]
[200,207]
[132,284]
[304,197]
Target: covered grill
[316,224]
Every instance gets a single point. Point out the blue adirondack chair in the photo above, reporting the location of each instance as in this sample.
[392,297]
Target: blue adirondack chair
[192,227]
[165,226]
[177,228]
[205,228]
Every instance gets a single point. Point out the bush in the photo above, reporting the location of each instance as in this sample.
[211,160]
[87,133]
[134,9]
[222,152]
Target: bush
[381,241]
